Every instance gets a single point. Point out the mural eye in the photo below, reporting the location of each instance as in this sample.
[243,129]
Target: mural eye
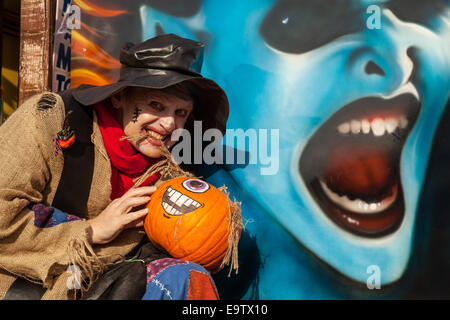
[420,12]
[195,185]
[304,25]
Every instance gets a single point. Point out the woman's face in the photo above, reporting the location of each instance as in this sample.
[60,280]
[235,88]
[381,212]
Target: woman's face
[154,112]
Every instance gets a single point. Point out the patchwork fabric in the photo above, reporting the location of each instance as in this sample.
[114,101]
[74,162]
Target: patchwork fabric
[201,287]
[173,279]
[46,217]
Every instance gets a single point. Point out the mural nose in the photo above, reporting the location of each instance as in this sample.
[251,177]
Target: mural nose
[373,68]
[384,68]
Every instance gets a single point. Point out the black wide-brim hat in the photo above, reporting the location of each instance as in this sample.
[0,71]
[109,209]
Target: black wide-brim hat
[161,62]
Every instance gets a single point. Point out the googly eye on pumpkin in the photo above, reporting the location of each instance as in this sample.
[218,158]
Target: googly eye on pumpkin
[195,185]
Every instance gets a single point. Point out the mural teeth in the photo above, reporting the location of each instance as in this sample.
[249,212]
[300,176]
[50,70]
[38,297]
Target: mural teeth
[165,205]
[188,202]
[378,127]
[181,200]
[403,122]
[391,125]
[344,128]
[171,192]
[365,126]
[355,126]
[358,205]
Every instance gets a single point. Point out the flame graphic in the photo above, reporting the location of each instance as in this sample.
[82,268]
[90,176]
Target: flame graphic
[84,26]
[85,76]
[92,64]
[85,48]
[94,10]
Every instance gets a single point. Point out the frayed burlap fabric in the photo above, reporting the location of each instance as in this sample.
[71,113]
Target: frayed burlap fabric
[30,174]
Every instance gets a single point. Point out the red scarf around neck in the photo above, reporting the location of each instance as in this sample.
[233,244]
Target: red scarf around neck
[126,162]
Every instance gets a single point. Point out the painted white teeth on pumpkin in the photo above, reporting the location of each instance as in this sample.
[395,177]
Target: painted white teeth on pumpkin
[175,196]
[171,210]
[181,200]
[178,198]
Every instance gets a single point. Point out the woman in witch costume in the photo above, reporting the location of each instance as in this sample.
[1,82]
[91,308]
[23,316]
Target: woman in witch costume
[71,212]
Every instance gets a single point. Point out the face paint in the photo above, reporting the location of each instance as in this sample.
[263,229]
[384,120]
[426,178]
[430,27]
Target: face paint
[136,114]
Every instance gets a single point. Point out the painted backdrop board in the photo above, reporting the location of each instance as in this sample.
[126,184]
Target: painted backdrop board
[343,112]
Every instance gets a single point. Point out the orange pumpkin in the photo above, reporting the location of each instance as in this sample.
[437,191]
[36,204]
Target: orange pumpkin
[190,219]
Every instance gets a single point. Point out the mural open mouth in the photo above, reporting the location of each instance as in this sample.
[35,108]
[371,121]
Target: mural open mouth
[175,203]
[351,165]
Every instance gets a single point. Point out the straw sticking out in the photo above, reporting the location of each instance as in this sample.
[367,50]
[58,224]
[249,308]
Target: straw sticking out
[235,225]
[167,167]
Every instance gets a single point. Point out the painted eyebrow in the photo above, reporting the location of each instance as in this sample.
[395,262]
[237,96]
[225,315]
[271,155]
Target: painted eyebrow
[303,25]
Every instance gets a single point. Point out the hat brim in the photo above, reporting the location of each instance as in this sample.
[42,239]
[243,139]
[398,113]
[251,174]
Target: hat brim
[210,101]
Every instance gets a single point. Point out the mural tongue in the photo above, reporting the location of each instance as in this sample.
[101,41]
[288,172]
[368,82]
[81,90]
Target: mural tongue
[360,171]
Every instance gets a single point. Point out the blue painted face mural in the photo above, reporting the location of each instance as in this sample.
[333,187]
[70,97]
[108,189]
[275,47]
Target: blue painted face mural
[357,91]
[356,106]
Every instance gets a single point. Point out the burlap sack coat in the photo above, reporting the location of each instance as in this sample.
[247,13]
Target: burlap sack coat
[30,173]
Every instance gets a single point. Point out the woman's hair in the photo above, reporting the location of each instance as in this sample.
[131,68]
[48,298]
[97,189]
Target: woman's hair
[179,90]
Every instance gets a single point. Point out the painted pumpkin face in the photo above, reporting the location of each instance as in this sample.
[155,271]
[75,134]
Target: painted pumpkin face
[189,218]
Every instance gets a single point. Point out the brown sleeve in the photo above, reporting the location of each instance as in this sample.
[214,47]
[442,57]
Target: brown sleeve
[26,151]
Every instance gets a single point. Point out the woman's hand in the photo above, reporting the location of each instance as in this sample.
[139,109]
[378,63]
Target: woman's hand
[117,216]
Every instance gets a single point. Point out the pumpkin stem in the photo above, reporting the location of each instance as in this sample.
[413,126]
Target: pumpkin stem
[235,225]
